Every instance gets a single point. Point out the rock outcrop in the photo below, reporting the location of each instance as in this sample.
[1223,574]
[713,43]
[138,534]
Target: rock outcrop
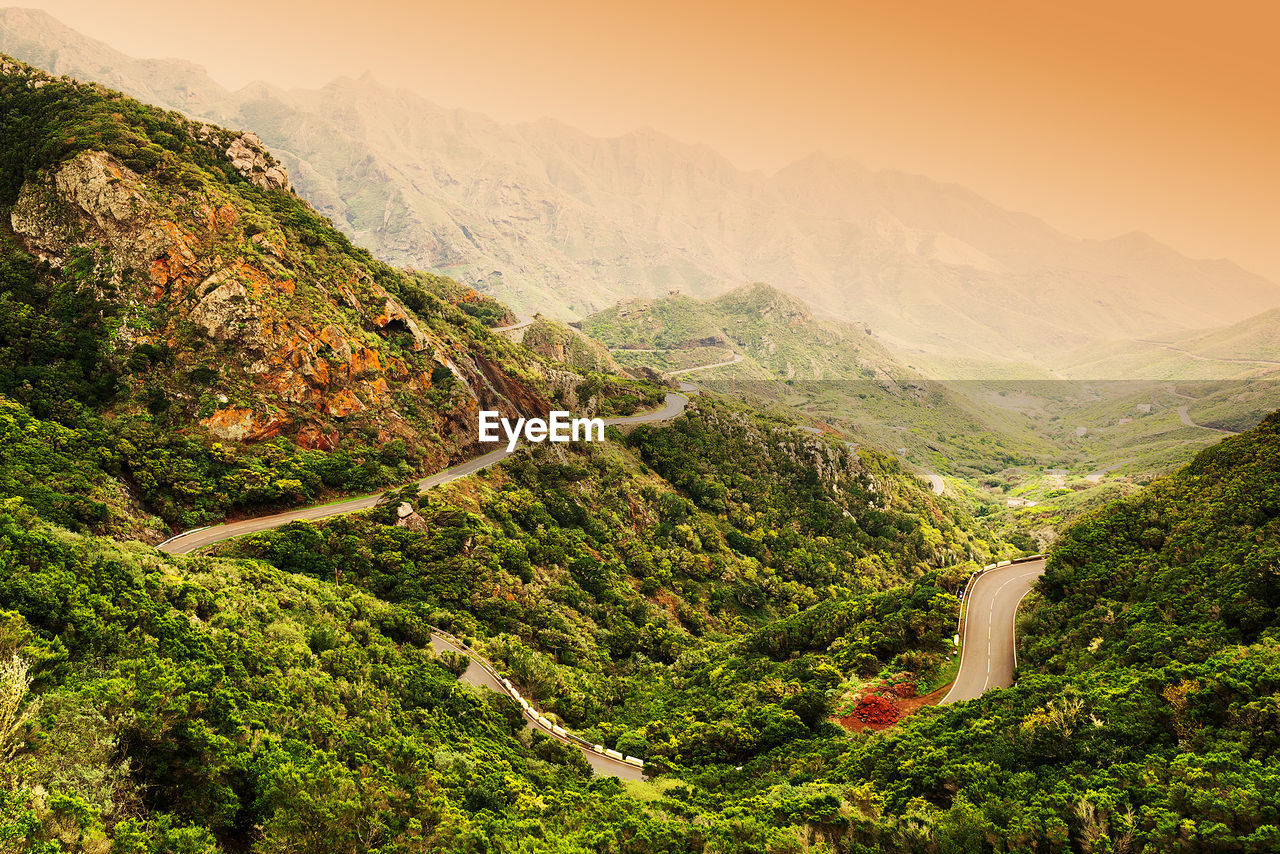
[250,157]
[233,304]
[298,348]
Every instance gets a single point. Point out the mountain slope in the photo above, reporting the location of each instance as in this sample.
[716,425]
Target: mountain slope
[1248,348]
[552,220]
[163,285]
[840,374]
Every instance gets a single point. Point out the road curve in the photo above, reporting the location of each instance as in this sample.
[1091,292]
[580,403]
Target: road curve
[737,357]
[936,483]
[1199,358]
[482,674]
[188,542]
[987,656]
[522,320]
[1186,419]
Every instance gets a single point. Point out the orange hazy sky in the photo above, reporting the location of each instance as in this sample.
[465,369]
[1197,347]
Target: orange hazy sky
[1101,117]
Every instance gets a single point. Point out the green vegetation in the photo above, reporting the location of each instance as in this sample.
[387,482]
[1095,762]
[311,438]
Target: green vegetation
[421,286]
[704,594]
[626,577]
[197,706]
[204,345]
[996,433]
[567,345]
[214,702]
[838,374]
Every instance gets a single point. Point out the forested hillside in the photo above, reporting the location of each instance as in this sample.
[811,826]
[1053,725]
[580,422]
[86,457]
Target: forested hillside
[838,373]
[166,298]
[1146,713]
[196,704]
[604,578]
[708,594]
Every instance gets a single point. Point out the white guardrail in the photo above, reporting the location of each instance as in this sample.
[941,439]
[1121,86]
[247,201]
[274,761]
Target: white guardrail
[964,594]
[531,712]
[540,720]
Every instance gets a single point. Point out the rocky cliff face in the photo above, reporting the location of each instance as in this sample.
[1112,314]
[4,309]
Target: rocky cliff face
[266,320]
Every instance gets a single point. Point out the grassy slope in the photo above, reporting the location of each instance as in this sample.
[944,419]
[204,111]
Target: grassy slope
[834,372]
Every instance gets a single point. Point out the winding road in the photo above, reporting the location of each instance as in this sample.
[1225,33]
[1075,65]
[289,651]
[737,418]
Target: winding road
[189,541]
[479,672]
[737,357]
[988,655]
[522,320]
[1185,416]
[482,674]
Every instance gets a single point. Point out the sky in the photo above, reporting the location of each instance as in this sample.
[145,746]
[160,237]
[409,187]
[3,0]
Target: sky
[1100,117]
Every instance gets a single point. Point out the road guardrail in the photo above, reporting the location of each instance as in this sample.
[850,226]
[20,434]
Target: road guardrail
[531,712]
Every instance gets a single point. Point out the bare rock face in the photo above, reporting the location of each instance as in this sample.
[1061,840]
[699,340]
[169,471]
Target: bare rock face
[395,317]
[251,160]
[239,424]
[178,267]
[95,199]
[224,310]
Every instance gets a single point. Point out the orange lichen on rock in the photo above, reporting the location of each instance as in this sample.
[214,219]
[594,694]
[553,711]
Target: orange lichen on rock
[313,438]
[364,361]
[343,404]
[241,424]
[297,345]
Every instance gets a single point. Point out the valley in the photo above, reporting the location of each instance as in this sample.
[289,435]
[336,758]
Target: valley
[960,534]
[1033,452]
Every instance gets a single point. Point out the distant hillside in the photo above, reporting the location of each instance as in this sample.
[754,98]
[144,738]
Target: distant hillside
[839,373]
[552,220]
[562,343]
[165,293]
[1245,349]
[776,332]
[1257,337]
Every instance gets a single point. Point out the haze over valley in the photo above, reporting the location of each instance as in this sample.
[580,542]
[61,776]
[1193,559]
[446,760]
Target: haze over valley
[551,220]
[901,522]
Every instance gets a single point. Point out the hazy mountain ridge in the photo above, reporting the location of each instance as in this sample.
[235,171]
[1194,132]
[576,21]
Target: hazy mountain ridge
[841,375]
[550,219]
[1249,348]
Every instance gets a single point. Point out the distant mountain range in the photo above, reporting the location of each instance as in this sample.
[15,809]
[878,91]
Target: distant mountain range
[1248,348]
[767,346]
[552,220]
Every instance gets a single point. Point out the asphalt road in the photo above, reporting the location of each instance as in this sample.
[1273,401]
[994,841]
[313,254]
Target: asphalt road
[199,538]
[987,656]
[477,673]
[737,357]
[1186,419]
[522,320]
